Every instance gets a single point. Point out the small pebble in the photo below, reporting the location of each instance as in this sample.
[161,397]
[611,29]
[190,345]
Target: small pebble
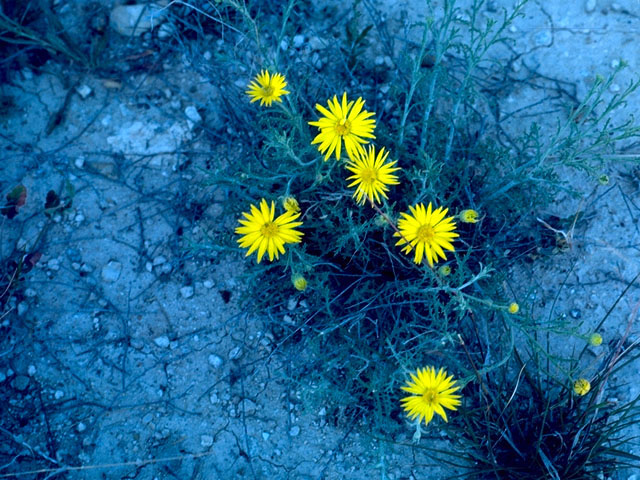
[148,267]
[265,436]
[84,91]
[575,313]
[206,440]
[284,45]
[111,271]
[147,418]
[192,114]
[22,308]
[615,63]
[614,88]
[30,292]
[58,394]
[3,377]
[81,427]
[159,260]
[20,383]
[542,38]
[79,162]
[208,284]
[295,431]
[54,264]
[298,41]
[207,55]
[215,361]
[162,341]
[235,353]
[616,7]
[590,6]
[186,292]
[213,398]
[31,371]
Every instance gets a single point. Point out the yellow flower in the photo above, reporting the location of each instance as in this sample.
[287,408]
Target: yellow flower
[299,282]
[290,204]
[343,122]
[261,232]
[267,88]
[581,386]
[427,232]
[468,216]
[514,308]
[595,340]
[430,392]
[372,174]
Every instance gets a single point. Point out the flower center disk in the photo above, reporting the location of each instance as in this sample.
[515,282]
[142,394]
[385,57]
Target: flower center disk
[430,396]
[343,127]
[425,233]
[269,230]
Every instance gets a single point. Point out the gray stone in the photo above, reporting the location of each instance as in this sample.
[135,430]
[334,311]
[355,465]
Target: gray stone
[84,91]
[58,394]
[316,43]
[206,441]
[207,284]
[215,361]
[295,431]
[235,353]
[79,162]
[31,371]
[187,291]
[111,271]
[20,383]
[249,406]
[298,41]
[192,114]
[543,38]
[22,308]
[135,19]
[159,260]
[590,6]
[162,341]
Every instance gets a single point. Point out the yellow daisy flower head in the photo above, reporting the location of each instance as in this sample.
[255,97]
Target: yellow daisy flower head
[290,204]
[595,340]
[581,386]
[513,308]
[427,232]
[468,216]
[299,282]
[346,122]
[267,88]
[261,232]
[371,175]
[430,392]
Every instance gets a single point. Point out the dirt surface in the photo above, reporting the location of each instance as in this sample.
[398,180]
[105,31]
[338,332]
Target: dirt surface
[125,352]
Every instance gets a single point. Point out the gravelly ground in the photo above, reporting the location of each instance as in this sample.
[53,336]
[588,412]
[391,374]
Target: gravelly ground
[127,345]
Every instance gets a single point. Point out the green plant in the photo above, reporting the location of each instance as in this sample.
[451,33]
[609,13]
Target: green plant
[368,314]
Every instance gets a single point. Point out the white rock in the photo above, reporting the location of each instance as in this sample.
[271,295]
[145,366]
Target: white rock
[213,398]
[79,162]
[215,361]
[614,88]
[207,284]
[58,395]
[111,271]
[265,436]
[207,55]
[590,6]
[22,308]
[186,292]
[206,440]
[135,19]
[162,341]
[316,43]
[192,114]
[81,427]
[149,267]
[235,353]
[165,31]
[54,264]
[31,370]
[615,63]
[295,431]
[616,7]
[159,260]
[84,91]
[298,41]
